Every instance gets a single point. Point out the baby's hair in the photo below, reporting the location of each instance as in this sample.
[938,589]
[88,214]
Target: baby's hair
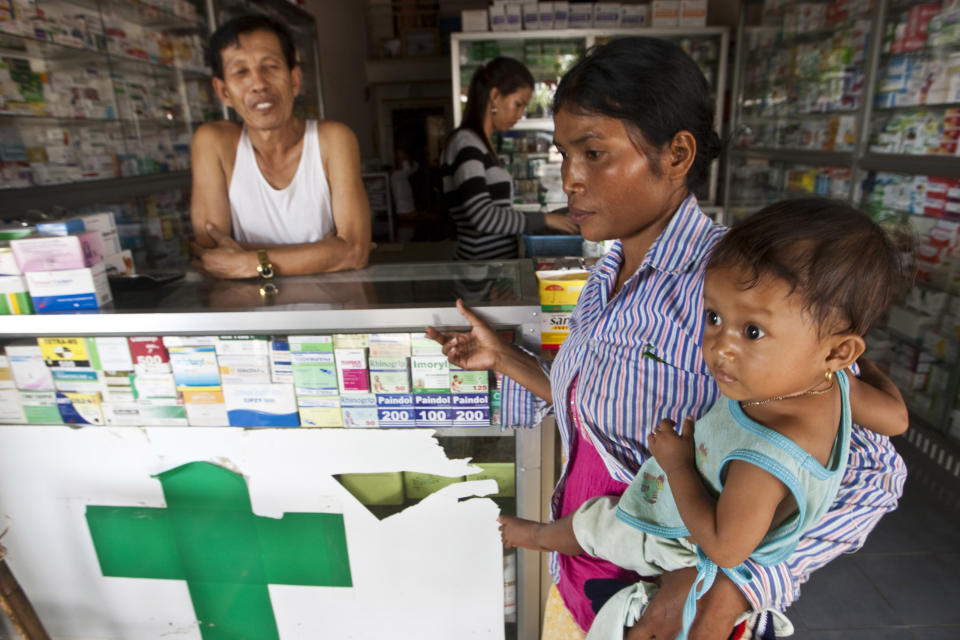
[834,256]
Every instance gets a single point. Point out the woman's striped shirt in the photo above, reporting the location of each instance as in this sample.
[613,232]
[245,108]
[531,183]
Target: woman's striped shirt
[637,358]
[478,192]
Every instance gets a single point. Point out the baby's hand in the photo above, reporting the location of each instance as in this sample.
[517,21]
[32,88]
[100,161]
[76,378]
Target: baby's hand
[672,450]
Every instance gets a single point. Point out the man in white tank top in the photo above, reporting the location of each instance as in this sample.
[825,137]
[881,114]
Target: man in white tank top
[276,191]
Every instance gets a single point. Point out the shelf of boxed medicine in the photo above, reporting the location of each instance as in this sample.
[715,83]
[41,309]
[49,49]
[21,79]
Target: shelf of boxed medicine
[797,156]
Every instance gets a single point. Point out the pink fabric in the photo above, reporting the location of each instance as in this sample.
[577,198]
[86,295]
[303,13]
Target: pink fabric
[587,478]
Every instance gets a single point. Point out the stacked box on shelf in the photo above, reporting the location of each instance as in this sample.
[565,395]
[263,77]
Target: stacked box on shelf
[358,405]
[11,409]
[314,376]
[430,372]
[390,379]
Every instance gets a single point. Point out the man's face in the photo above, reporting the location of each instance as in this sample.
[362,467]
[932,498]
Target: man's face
[257,82]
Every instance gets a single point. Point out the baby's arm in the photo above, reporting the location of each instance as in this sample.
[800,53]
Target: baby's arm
[730,527]
[540,536]
[876,402]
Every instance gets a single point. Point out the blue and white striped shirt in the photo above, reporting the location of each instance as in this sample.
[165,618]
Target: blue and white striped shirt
[637,358]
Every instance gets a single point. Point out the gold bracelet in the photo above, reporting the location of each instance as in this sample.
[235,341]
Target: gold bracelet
[265,268]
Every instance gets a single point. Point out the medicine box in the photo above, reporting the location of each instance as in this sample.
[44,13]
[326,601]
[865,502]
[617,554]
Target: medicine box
[14,298]
[606,15]
[56,253]
[11,409]
[390,345]
[149,354]
[163,413]
[471,409]
[205,406]
[474,20]
[546,15]
[261,405]
[433,410]
[531,16]
[29,371]
[69,290]
[581,15]
[320,411]
[40,407]
[121,413]
[359,410]
[664,13]
[352,372]
[80,408]
[314,373]
[8,262]
[561,14]
[389,375]
[396,410]
[281,367]
[693,13]
[62,227]
[634,16]
[195,366]
[431,374]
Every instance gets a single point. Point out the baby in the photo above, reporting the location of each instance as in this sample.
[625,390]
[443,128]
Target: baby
[788,295]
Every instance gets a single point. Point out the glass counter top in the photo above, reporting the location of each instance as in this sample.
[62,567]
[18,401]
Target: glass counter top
[404,285]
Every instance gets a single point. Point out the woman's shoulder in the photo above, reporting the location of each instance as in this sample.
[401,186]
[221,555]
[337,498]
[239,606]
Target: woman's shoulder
[463,145]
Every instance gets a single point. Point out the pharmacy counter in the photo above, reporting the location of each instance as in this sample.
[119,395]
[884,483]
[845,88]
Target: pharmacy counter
[287,532]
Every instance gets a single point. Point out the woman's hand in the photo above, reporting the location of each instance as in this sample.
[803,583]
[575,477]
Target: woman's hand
[717,610]
[561,222]
[476,350]
[672,451]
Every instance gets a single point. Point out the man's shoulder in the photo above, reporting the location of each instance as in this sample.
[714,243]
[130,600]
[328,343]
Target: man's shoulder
[220,134]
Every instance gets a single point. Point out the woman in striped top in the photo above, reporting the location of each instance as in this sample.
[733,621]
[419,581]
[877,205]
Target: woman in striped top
[634,123]
[477,191]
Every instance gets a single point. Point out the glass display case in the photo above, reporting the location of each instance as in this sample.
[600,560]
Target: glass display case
[857,100]
[94,90]
[528,151]
[316,340]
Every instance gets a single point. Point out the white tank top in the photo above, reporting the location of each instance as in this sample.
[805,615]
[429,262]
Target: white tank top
[300,212]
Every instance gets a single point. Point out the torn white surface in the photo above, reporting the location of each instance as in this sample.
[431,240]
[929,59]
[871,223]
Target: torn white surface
[433,571]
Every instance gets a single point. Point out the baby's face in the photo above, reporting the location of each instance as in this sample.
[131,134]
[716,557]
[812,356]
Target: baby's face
[759,343]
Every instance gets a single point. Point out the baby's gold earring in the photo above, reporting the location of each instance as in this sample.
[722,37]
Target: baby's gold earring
[828,375]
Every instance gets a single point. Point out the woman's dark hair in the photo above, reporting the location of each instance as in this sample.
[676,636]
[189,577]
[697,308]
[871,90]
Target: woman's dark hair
[843,265]
[506,75]
[228,35]
[654,88]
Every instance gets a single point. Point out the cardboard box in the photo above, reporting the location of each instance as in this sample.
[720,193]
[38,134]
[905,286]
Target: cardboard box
[606,15]
[249,369]
[62,227]
[69,290]
[389,375]
[80,408]
[497,15]
[581,15]
[396,410]
[195,366]
[259,405]
[474,20]
[8,262]
[693,13]
[28,368]
[120,264]
[531,16]
[634,16]
[14,298]
[462,381]
[56,253]
[156,385]
[546,15]
[664,13]
[149,354]
[163,413]
[86,381]
[431,374]
[205,406]
[352,373]
[40,407]
[314,374]
[359,411]
[389,345]
[561,14]
[433,409]
[281,365]
[514,13]
[471,409]
[559,292]
[11,409]
[104,221]
[121,413]
[111,243]
[320,411]
[421,345]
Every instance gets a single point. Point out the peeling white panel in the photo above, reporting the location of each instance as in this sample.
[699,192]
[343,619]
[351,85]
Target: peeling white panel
[433,571]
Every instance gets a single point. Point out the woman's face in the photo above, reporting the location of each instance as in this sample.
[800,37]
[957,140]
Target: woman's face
[611,186]
[509,108]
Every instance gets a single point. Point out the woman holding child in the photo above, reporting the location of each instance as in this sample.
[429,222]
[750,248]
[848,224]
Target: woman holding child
[634,124]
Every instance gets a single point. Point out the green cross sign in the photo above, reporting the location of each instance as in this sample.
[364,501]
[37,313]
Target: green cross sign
[209,536]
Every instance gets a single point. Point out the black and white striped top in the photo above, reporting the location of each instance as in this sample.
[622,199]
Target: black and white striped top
[478,193]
